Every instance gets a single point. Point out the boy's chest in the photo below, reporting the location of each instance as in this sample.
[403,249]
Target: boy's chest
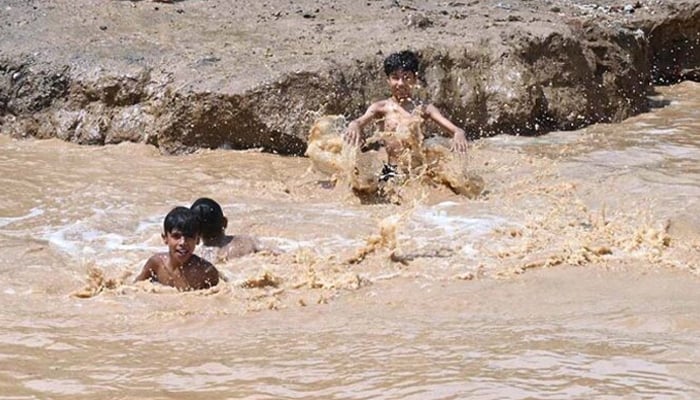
[179,279]
[396,118]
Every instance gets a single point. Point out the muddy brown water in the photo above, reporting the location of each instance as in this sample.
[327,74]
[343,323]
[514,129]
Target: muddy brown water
[573,276]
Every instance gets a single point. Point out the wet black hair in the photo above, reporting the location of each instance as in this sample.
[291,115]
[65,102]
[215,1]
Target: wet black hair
[405,60]
[211,217]
[182,219]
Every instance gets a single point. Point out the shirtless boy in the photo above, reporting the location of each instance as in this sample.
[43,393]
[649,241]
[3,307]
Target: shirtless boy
[396,112]
[180,267]
[216,244]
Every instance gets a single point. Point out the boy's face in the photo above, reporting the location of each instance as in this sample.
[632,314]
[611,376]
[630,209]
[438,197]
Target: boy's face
[180,246]
[401,83]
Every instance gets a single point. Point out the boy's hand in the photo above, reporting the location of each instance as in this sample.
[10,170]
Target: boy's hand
[352,135]
[459,141]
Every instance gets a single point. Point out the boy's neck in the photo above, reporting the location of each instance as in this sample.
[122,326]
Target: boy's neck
[407,103]
[173,265]
[402,100]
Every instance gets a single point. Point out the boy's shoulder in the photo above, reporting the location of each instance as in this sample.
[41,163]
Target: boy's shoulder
[199,263]
[157,260]
[202,274]
[241,245]
[383,103]
[242,239]
[379,105]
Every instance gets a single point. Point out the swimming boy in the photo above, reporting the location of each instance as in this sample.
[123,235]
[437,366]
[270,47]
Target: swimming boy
[401,109]
[216,244]
[180,267]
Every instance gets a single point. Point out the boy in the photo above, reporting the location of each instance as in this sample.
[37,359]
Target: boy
[216,244]
[401,110]
[180,267]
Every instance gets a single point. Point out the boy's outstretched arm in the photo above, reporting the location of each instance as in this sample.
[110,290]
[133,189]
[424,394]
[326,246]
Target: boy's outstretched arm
[459,138]
[354,132]
[148,270]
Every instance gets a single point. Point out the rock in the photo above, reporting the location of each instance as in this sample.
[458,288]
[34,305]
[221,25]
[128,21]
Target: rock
[92,126]
[130,124]
[65,121]
[418,21]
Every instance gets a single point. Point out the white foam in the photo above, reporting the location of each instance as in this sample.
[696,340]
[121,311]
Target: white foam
[58,240]
[469,250]
[661,132]
[327,244]
[456,224]
[77,239]
[446,204]
[34,212]
[150,224]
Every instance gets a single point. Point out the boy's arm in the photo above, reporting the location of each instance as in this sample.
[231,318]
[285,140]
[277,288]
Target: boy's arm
[148,270]
[210,275]
[353,133]
[459,138]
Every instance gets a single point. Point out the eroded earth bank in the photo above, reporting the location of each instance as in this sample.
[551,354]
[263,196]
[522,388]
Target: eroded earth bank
[219,74]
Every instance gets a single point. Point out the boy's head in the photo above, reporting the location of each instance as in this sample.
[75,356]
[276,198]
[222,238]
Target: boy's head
[406,61]
[181,233]
[401,71]
[211,217]
[183,220]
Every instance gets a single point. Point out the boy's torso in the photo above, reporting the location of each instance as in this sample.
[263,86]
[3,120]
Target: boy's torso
[401,131]
[395,116]
[235,246]
[186,277]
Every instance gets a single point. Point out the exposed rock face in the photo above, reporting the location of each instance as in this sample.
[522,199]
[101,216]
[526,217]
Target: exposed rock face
[526,68]
[675,42]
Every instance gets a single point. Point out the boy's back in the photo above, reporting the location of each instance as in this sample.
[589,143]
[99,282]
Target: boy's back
[216,244]
[233,247]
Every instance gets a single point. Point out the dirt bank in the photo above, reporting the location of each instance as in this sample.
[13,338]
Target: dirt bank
[216,73]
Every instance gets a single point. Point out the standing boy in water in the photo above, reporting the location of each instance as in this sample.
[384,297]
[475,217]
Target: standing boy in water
[397,112]
[180,267]
[216,244]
